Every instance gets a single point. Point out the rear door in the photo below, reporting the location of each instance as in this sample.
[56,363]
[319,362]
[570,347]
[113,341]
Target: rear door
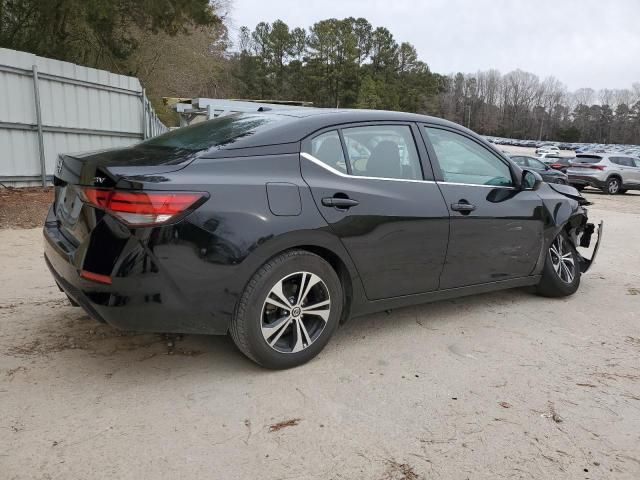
[369,183]
[496,229]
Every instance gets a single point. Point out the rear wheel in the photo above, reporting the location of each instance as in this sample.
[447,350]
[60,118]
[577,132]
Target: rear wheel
[288,311]
[561,272]
[578,187]
[612,186]
[622,190]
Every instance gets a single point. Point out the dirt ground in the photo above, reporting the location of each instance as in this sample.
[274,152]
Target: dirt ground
[502,385]
[24,207]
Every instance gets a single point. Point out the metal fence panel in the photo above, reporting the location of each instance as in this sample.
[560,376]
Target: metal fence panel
[80,109]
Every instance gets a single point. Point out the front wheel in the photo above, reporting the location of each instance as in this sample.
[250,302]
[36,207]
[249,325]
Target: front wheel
[561,272]
[288,311]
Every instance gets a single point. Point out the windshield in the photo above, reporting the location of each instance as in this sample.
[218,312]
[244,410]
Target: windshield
[218,132]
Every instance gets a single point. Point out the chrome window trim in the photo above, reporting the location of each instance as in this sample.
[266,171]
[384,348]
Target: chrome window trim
[320,163]
[477,185]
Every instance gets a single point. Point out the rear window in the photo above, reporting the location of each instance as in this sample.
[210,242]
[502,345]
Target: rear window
[218,132]
[588,158]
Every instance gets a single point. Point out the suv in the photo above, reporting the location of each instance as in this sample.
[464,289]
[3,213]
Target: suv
[612,173]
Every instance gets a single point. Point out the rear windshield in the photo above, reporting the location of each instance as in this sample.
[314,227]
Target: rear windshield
[588,158]
[218,132]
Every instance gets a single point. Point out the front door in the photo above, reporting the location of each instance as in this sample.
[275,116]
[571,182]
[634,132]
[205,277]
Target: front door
[368,183]
[496,229]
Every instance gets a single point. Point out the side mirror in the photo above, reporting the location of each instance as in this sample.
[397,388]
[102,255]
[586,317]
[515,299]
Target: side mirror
[530,180]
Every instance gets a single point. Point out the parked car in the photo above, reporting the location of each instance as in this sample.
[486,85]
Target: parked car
[547,149]
[556,161]
[611,173]
[264,226]
[548,174]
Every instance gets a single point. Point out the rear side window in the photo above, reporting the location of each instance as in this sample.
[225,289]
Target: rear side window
[464,161]
[623,161]
[218,132]
[328,149]
[383,151]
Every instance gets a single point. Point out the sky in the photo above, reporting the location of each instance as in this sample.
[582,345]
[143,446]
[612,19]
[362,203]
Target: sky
[583,43]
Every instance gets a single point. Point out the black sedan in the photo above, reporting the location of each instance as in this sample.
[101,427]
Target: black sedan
[277,226]
[548,174]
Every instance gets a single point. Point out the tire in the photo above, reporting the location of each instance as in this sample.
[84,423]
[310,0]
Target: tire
[622,191]
[279,338]
[555,282]
[578,187]
[612,186]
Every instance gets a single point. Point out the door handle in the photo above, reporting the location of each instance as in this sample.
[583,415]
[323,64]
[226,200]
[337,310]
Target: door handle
[463,207]
[339,202]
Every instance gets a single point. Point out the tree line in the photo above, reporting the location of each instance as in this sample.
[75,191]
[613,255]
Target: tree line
[183,48]
[349,63]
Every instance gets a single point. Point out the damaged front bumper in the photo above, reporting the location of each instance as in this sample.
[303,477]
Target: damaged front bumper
[585,242]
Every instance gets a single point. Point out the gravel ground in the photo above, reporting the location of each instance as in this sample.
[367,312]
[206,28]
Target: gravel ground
[24,207]
[503,385]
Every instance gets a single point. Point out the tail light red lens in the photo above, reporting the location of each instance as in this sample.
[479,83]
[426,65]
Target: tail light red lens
[142,208]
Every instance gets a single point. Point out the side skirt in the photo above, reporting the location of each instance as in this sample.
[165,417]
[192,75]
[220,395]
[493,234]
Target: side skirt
[408,300]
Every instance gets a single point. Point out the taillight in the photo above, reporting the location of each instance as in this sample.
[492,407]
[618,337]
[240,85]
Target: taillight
[597,167]
[142,208]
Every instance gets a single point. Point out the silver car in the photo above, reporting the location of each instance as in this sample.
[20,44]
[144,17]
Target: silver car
[610,172]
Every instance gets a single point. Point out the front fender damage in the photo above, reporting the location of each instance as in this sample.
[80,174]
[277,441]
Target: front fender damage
[582,238]
[570,214]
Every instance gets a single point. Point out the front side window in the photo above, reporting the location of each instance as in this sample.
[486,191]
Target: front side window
[383,151]
[536,164]
[464,161]
[328,149]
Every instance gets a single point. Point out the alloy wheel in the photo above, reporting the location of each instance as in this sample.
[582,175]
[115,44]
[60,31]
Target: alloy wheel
[614,186]
[295,312]
[562,259]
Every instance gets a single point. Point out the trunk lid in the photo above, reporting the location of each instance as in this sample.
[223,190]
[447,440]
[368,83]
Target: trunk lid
[103,168]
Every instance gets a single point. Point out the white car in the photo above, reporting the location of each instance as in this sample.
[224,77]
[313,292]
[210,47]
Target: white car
[547,149]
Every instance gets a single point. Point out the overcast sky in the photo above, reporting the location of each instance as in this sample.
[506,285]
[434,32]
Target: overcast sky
[583,43]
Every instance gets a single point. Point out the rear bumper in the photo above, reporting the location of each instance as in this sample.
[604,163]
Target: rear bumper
[146,302]
[586,180]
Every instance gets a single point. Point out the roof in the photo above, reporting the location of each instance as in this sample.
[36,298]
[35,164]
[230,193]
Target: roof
[302,122]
